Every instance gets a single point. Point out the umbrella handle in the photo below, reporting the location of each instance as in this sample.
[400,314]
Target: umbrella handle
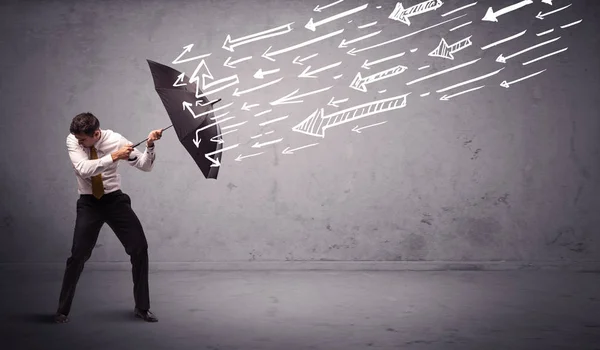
[146,139]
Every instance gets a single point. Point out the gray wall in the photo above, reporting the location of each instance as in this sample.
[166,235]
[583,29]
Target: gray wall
[492,174]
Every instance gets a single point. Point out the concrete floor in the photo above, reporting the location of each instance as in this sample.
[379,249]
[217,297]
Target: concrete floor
[308,310]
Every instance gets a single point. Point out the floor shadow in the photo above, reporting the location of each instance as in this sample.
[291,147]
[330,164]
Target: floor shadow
[32,318]
[114,315]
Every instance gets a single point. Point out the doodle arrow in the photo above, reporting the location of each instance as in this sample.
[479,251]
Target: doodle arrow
[313,25]
[229,43]
[445,51]
[360,83]
[401,14]
[492,16]
[317,122]
[292,97]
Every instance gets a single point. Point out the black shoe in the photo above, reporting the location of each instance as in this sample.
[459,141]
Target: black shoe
[61,318]
[146,315]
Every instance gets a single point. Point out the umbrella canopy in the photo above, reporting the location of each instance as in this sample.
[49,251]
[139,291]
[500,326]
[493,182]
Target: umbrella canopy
[191,118]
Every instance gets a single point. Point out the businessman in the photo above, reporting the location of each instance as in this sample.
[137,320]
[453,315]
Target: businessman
[95,154]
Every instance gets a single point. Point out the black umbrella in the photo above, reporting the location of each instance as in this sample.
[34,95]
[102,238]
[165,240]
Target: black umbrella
[191,118]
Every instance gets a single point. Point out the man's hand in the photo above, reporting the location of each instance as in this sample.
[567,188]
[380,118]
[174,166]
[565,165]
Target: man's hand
[153,136]
[123,152]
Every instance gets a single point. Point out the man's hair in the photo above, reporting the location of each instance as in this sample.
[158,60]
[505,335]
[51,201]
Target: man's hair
[84,123]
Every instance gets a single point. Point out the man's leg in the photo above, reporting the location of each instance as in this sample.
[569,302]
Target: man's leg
[87,227]
[124,222]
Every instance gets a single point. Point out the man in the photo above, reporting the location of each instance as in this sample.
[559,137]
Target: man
[95,154]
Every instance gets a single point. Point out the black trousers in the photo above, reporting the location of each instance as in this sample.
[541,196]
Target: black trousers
[115,209]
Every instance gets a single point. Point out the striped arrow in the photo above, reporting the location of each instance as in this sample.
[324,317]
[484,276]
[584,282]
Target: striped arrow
[317,122]
[400,14]
[359,83]
[445,51]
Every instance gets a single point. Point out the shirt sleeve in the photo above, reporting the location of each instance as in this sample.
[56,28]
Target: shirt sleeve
[84,166]
[143,161]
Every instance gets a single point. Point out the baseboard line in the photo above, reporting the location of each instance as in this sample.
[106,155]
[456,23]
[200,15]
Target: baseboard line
[578,266]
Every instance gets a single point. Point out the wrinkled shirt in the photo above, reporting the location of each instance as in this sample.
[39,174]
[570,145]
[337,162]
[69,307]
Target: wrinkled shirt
[109,142]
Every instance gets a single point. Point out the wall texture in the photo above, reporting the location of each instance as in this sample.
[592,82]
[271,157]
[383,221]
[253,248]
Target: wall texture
[488,173]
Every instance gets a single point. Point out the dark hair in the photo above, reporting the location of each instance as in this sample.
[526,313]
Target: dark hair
[84,123]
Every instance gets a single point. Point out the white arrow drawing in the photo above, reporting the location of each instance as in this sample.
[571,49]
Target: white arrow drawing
[335,103]
[215,123]
[208,75]
[443,71]
[189,107]
[345,43]
[229,44]
[268,55]
[507,84]
[541,16]
[179,79]
[234,125]
[216,161]
[260,74]
[504,40]
[367,25]
[358,130]
[448,97]
[263,112]
[492,16]
[299,61]
[470,81]
[548,55]
[293,98]
[549,2]
[259,145]
[354,51]
[219,138]
[502,59]
[571,24]
[187,49]
[307,74]
[359,83]
[445,51]
[240,157]
[239,93]
[287,150]
[313,25]
[273,120]
[459,9]
[318,8]
[197,139]
[229,64]
[247,107]
[367,64]
[318,122]
[401,14]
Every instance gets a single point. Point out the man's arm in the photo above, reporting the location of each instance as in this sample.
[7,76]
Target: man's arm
[82,164]
[143,161]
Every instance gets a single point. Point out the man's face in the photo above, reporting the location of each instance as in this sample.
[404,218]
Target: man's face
[88,141]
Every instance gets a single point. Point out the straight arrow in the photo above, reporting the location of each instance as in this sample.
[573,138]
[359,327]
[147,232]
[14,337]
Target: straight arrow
[229,43]
[291,97]
[313,25]
[492,16]
[507,84]
[307,74]
[287,150]
[541,16]
[503,59]
[268,55]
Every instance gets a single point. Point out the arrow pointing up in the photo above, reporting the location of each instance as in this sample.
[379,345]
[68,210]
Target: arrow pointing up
[492,16]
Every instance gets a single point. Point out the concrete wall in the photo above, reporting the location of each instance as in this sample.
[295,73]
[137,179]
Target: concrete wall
[492,174]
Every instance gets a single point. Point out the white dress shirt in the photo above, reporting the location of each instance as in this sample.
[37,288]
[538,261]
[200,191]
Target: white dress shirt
[109,142]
